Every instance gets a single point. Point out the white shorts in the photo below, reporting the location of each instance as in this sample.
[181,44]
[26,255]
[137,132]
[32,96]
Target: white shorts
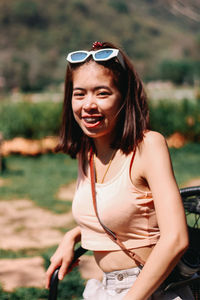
[115,285]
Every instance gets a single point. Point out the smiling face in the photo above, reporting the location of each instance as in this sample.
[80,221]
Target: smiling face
[96,101]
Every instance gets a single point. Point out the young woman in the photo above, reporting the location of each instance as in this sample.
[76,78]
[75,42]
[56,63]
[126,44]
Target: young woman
[106,126]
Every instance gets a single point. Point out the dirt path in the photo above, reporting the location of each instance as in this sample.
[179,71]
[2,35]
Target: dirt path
[21,272]
[23,225]
[193,182]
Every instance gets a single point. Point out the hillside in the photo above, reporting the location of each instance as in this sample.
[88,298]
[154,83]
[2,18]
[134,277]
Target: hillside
[36,35]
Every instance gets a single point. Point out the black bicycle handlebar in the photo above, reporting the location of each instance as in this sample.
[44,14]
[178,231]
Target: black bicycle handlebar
[189,191]
[54,278]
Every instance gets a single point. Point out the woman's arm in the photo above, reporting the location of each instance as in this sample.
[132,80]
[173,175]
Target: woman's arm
[63,255]
[157,170]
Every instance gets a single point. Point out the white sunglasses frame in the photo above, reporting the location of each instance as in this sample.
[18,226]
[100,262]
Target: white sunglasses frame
[115,53]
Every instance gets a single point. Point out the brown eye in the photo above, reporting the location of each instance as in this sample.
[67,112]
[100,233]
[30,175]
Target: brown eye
[78,94]
[103,93]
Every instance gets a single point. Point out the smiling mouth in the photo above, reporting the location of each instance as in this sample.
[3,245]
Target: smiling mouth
[92,120]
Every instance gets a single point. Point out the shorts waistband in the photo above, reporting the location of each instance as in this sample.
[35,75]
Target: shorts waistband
[121,278]
[128,272]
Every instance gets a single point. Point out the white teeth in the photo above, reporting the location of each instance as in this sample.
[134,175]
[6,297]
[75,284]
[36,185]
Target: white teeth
[92,120]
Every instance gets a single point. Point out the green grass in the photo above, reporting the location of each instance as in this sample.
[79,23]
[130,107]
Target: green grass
[24,294]
[38,179]
[186,163]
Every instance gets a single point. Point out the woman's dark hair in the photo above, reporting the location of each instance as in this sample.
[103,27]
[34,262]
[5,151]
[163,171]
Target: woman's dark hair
[133,118]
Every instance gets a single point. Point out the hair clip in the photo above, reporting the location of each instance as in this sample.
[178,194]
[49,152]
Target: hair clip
[97,45]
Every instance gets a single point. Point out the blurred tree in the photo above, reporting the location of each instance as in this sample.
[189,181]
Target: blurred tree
[180,71]
[119,5]
[28,13]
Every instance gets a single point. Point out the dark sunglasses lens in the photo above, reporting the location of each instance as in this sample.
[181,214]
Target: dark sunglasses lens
[103,54]
[78,56]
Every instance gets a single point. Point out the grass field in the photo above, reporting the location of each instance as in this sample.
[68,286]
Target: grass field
[186,163]
[38,179]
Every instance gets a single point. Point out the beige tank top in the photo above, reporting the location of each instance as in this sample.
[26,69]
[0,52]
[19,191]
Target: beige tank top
[124,209]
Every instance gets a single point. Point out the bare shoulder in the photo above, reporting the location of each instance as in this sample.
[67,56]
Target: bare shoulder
[154,159]
[150,152]
[152,138]
[153,147]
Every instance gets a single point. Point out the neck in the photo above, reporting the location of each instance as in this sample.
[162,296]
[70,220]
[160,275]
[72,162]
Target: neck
[104,163]
[103,151]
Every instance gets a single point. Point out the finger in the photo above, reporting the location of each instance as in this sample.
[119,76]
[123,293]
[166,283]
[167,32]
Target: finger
[49,273]
[53,257]
[47,282]
[63,270]
[48,279]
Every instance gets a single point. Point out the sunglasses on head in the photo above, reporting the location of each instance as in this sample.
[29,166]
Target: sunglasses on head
[99,55]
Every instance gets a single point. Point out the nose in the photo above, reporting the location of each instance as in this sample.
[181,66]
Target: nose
[90,102]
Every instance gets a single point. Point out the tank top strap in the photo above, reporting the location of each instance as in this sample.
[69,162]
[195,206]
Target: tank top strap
[131,162]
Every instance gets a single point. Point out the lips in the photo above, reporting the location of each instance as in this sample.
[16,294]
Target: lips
[92,121]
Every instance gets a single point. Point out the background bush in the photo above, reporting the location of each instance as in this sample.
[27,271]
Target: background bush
[29,120]
[37,120]
[180,71]
[184,117]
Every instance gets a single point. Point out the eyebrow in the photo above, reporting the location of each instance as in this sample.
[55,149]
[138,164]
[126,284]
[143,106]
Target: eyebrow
[96,88]
[78,88]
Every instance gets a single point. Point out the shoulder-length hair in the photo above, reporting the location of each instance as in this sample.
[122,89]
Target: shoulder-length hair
[133,118]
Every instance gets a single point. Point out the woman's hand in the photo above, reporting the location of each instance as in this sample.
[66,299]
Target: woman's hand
[63,256]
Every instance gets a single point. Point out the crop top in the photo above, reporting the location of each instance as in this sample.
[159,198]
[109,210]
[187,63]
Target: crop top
[124,209]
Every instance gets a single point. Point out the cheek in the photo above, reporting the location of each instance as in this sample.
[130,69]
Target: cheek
[113,106]
[75,111]
[75,107]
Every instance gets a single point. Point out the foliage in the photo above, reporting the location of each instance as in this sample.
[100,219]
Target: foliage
[46,30]
[180,71]
[119,5]
[186,161]
[28,13]
[184,117]
[29,120]
[24,294]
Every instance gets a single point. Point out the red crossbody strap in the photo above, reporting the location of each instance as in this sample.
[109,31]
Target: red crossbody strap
[109,232]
